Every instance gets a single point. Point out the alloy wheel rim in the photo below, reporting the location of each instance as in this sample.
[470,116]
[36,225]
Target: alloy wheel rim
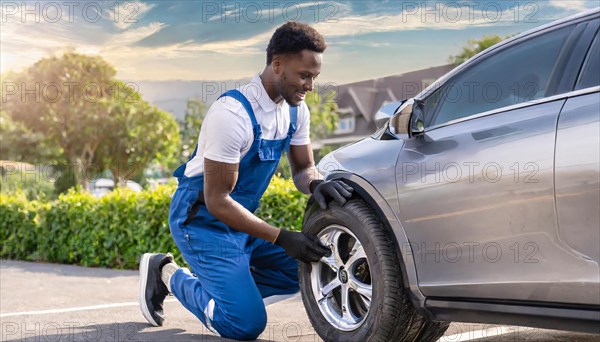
[341,283]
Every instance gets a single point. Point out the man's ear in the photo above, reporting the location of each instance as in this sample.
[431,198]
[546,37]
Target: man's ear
[277,64]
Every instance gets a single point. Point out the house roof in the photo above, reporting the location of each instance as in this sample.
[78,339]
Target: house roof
[366,97]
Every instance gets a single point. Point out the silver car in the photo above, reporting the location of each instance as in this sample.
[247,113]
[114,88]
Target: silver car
[476,201]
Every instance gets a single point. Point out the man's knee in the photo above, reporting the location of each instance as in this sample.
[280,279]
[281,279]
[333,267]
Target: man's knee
[250,331]
[244,323]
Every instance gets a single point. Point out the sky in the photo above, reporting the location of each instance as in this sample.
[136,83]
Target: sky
[224,40]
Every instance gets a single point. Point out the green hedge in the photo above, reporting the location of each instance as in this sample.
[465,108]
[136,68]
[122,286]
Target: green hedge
[113,231]
[19,232]
[282,205]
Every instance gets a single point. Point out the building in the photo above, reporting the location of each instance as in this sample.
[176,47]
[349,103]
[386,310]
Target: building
[359,102]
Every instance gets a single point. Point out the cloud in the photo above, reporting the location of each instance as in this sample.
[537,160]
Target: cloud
[136,34]
[434,17]
[571,5]
[120,34]
[455,18]
[27,39]
[250,45]
[124,15]
[270,10]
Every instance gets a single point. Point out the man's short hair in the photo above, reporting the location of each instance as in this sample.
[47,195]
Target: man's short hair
[293,37]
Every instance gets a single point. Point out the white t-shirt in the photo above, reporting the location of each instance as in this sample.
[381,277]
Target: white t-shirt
[226,133]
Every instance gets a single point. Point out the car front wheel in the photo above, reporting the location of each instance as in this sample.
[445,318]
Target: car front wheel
[357,294]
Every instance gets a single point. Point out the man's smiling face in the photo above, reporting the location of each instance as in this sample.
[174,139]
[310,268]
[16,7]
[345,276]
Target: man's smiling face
[296,74]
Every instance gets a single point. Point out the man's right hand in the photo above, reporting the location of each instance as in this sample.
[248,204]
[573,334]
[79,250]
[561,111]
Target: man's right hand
[303,247]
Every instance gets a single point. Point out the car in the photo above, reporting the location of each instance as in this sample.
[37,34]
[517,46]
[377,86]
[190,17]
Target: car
[476,201]
[102,186]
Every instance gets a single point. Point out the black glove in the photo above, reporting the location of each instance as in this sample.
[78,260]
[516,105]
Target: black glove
[324,190]
[303,247]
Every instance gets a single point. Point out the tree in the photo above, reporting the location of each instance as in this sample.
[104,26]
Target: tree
[77,105]
[19,143]
[64,98]
[138,134]
[190,127]
[323,114]
[474,47]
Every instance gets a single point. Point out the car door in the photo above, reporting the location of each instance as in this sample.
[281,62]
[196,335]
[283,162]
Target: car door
[577,170]
[476,190]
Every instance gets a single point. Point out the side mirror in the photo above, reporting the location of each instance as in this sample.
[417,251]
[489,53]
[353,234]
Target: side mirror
[408,119]
[384,113]
[417,123]
[399,123]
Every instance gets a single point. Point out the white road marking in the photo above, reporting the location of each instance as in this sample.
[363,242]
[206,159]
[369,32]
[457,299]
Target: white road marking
[477,334]
[81,308]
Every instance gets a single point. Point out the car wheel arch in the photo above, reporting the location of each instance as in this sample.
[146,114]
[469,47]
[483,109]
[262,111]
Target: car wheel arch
[365,191]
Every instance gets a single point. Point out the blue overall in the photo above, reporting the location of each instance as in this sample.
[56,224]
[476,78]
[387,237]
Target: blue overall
[233,271]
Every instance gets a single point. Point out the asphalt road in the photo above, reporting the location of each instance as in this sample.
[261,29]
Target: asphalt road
[49,302]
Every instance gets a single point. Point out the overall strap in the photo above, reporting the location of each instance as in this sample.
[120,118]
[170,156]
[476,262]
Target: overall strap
[193,153]
[236,94]
[293,121]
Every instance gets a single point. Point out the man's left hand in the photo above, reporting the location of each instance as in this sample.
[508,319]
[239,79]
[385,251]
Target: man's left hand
[334,189]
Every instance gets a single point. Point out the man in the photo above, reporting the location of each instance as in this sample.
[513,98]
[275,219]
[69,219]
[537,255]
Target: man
[239,261]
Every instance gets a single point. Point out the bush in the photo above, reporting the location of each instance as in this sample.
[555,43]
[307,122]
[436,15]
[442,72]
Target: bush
[19,230]
[113,231]
[27,179]
[282,205]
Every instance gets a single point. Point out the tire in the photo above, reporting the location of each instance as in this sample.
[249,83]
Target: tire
[388,315]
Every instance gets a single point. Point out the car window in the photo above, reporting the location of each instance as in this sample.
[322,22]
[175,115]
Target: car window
[516,74]
[590,74]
